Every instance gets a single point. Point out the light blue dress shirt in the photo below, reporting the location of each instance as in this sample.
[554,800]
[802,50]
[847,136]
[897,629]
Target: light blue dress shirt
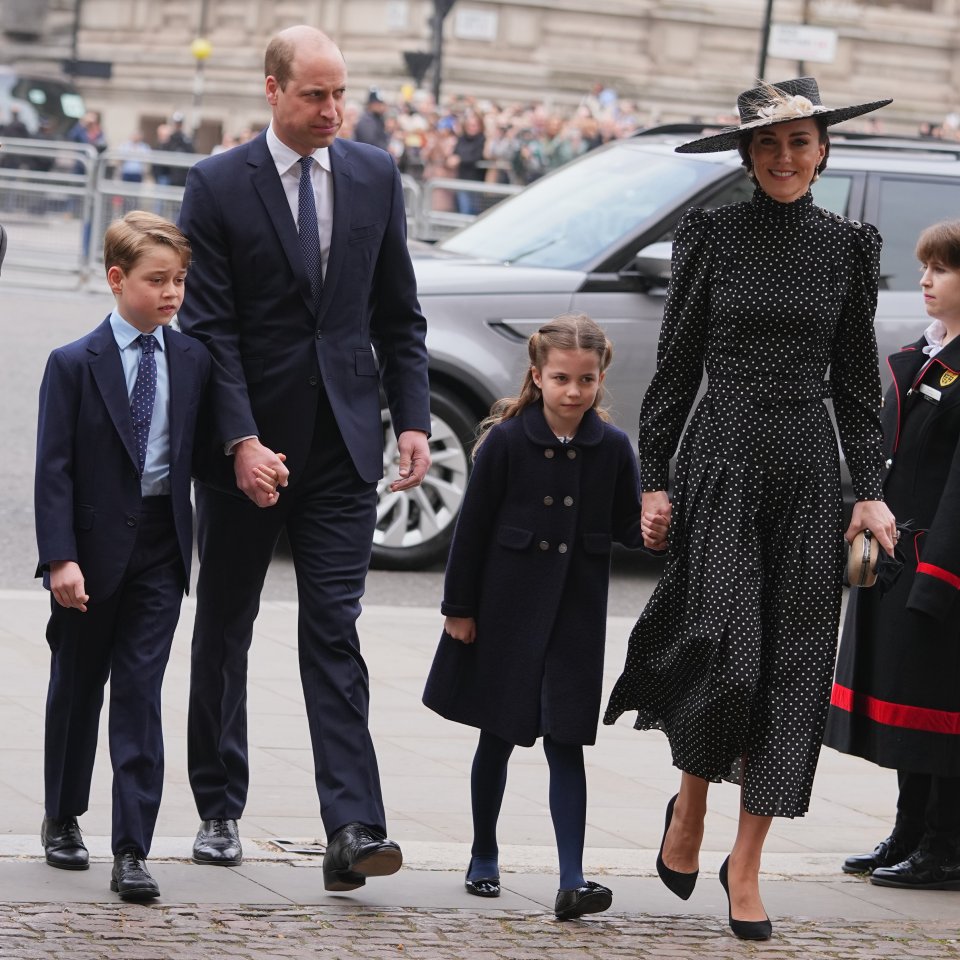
[156,469]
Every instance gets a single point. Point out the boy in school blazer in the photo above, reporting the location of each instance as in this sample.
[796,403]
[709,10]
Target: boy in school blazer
[115,436]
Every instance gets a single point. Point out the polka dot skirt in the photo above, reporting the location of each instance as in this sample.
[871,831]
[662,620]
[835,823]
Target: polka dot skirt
[733,656]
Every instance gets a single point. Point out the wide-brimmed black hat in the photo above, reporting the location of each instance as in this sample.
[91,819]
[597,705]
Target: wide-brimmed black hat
[770,103]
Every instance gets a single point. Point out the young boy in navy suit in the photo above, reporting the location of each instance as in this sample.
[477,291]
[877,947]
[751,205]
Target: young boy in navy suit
[115,435]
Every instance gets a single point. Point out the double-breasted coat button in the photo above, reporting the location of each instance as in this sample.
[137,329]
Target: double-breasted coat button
[548,453]
[562,548]
[548,501]
[543,545]
[572,454]
[568,501]
[131,521]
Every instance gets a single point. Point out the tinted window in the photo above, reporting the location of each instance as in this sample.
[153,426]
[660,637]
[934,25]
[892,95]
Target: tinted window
[832,192]
[569,218]
[906,207]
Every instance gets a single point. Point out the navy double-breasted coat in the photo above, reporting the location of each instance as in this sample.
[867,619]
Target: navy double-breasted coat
[530,560]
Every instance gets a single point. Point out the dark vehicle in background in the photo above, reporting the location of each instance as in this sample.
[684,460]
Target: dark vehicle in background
[595,237]
[39,98]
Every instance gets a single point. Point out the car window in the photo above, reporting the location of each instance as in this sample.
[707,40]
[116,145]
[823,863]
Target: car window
[905,207]
[832,192]
[568,219]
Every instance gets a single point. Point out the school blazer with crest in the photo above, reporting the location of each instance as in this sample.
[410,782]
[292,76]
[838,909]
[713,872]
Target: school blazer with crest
[87,497]
[934,463]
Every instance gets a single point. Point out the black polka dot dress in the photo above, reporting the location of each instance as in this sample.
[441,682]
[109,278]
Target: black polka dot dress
[733,656]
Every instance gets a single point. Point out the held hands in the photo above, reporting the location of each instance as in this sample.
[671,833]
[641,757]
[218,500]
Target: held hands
[259,471]
[873,515]
[66,585]
[463,629]
[413,447]
[656,512]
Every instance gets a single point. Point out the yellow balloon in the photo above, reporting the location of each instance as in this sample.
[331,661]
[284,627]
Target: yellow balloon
[201,48]
[406,91]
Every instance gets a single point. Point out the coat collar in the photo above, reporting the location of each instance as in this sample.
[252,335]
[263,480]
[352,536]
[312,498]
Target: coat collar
[536,429]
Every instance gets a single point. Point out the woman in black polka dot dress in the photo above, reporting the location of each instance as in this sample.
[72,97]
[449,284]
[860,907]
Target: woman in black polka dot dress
[733,656]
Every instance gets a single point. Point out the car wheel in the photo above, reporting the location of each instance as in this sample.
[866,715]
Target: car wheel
[414,527]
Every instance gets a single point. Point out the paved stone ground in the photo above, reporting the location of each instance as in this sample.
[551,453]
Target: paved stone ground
[133,932]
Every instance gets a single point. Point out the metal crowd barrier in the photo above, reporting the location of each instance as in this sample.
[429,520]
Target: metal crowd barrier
[57,199]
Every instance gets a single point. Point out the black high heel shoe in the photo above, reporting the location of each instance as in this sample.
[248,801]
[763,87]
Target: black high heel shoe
[681,884]
[482,886]
[744,929]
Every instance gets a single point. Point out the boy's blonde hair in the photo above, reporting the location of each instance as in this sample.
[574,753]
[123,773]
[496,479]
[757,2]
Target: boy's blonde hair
[940,243]
[569,331]
[129,238]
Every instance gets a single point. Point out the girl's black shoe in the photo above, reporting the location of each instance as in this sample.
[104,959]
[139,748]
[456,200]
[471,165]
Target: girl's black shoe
[681,884]
[482,886]
[744,929]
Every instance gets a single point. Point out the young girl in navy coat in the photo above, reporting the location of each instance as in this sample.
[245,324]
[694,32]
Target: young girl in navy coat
[525,597]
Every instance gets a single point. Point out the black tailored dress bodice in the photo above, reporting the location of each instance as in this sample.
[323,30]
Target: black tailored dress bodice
[733,655]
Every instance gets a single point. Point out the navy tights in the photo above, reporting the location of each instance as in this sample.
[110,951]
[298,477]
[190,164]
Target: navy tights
[568,805]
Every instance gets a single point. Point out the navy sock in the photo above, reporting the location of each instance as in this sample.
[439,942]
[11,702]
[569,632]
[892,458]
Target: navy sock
[488,780]
[568,807]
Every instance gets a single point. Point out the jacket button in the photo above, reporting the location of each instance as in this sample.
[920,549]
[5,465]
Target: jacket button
[548,501]
[548,453]
[131,521]
[313,381]
[568,501]
[572,454]
[319,334]
[888,464]
[543,545]
[562,548]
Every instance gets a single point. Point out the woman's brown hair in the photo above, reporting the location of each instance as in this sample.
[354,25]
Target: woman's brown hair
[940,243]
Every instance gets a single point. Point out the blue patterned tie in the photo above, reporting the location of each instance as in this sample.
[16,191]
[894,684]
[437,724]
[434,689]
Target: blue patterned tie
[310,231]
[143,397]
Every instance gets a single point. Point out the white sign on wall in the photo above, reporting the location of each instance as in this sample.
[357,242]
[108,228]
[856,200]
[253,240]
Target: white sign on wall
[398,14]
[793,41]
[475,24]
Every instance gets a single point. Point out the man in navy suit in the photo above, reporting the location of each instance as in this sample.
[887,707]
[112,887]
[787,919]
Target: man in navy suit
[115,438]
[303,291]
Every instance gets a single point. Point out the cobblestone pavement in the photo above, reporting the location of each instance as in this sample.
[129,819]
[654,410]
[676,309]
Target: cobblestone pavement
[133,932]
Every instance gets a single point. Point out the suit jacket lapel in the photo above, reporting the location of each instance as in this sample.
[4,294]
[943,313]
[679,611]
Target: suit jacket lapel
[342,204]
[107,370]
[176,350]
[266,181]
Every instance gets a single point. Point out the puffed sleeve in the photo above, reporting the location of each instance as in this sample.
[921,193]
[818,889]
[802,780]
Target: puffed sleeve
[854,368]
[680,349]
[937,583]
[475,523]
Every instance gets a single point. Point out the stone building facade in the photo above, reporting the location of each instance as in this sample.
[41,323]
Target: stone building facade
[676,59]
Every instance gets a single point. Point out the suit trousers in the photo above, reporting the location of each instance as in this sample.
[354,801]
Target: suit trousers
[928,807]
[329,514]
[125,637]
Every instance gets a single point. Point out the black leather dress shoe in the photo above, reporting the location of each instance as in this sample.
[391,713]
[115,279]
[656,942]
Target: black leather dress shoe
[886,853]
[131,878]
[590,898]
[63,844]
[218,843]
[356,852]
[922,870]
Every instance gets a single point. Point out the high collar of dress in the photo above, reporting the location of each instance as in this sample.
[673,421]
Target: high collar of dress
[771,209]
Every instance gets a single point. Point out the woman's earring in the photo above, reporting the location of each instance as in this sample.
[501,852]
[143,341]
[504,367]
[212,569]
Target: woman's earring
[816,177]
[751,175]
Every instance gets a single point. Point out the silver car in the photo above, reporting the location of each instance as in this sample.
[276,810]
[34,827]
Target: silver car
[595,237]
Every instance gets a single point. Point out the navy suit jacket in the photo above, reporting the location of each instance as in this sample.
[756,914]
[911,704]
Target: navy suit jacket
[249,301]
[87,484]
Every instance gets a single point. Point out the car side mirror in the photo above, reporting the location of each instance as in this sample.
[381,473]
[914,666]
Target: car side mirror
[651,265]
